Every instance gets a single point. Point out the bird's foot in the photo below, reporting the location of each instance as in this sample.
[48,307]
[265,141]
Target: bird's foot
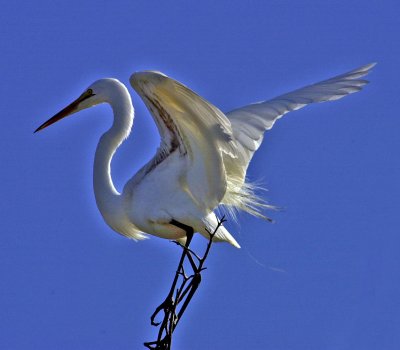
[167,306]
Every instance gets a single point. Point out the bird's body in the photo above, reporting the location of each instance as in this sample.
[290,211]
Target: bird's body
[158,193]
[202,159]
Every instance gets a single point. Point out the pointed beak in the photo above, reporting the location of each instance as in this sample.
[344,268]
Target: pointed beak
[70,109]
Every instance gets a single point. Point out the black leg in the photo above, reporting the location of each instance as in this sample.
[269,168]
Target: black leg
[168,303]
[182,294]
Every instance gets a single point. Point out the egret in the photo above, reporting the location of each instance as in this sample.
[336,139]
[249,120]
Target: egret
[202,159]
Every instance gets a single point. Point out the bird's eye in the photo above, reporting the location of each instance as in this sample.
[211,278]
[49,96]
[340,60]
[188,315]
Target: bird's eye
[87,94]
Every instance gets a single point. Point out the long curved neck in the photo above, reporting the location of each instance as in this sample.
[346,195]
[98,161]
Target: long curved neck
[107,197]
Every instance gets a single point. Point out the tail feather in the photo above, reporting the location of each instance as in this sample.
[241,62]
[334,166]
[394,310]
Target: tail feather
[243,196]
[221,235]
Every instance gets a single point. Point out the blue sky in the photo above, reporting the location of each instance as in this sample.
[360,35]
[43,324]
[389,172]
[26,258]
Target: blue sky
[324,276]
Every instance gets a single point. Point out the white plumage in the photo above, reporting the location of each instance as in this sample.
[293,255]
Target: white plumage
[203,157]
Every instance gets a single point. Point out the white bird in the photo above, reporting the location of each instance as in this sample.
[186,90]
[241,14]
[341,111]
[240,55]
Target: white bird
[203,157]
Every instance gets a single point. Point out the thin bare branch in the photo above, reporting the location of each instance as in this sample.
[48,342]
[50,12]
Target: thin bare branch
[181,293]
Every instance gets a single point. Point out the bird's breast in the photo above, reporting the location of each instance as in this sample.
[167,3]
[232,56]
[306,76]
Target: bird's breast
[162,196]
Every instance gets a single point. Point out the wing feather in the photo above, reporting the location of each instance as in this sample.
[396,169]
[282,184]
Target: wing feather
[219,147]
[203,133]
[250,122]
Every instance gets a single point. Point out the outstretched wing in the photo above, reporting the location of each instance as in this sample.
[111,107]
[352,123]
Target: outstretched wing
[198,130]
[250,122]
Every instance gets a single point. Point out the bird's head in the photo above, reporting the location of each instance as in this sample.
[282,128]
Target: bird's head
[99,92]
